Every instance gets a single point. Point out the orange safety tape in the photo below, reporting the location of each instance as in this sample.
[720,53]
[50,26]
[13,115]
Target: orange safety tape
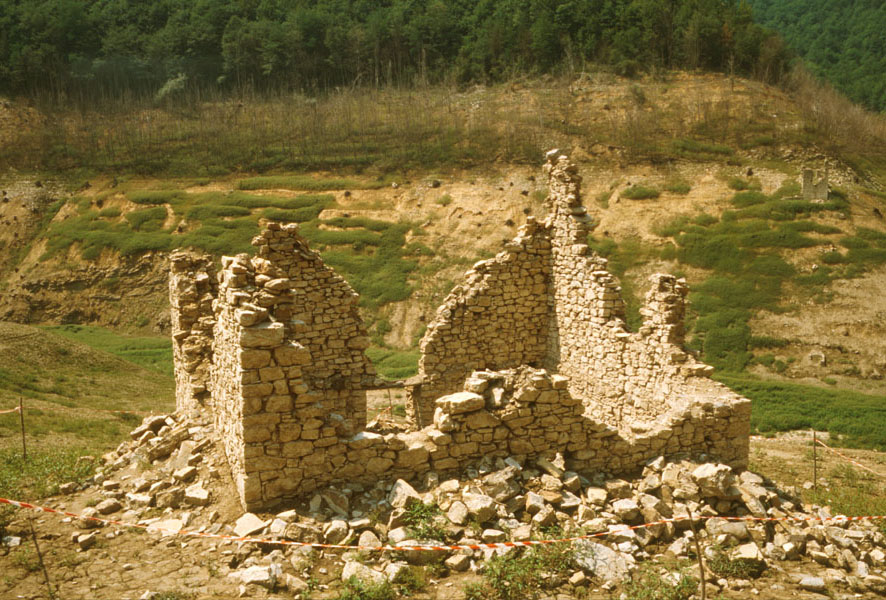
[844,457]
[4,412]
[492,545]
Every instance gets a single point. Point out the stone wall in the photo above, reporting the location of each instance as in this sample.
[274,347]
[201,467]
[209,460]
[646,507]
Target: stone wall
[815,185]
[529,413]
[495,319]
[548,300]
[192,288]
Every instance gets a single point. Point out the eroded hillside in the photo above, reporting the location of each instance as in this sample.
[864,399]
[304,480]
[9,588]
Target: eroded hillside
[697,175]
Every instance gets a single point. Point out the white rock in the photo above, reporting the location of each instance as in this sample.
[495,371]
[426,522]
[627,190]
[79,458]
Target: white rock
[108,506]
[714,479]
[602,562]
[248,524]
[397,535]
[166,527]
[336,531]
[626,509]
[534,503]
[813,584]
[361,572]
[596,496]
[480,506]
[461,402]
[493,535]
[458,562]
[458,513]
[196,495]
[403,495]
[265,576]
[368,539]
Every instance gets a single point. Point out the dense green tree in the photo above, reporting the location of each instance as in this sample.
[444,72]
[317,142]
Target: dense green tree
[843,42]
[103,48]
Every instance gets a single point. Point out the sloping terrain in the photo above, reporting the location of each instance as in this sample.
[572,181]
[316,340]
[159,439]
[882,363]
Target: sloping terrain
[73,394]
[693,174]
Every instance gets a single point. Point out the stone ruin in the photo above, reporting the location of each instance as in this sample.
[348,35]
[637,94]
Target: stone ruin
[529,356]
[815,185]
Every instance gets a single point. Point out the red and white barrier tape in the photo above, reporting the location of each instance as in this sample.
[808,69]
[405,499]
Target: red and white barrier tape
[485,546]
[12,410]
[846,458]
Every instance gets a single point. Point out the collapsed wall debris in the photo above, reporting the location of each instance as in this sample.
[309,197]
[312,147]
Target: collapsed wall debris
[529,356]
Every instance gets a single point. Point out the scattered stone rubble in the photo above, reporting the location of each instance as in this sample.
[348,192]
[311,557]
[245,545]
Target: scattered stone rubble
[529,356]
[497,500]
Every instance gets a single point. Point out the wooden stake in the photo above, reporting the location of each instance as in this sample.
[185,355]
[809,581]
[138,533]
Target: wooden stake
[814,460]
[21,415]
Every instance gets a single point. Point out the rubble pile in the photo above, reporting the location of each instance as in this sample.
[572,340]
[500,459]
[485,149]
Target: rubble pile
[162,479]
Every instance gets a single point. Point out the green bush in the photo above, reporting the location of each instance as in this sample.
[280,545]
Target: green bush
[356,589]
[304,182]
[858,419]
[149,219]
[394,364]
[741,184]
[42,473]
[155,196]
[748,198]
[639,192]
[420,518]
[110,212]
[648,583]
[205,212]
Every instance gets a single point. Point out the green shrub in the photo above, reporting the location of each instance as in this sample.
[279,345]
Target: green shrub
[304,182]
[518,575]
[859,419]
[42,473]
[205,212]
[677,186]
[149,219]
[724,566]
[444,200]
[765,341]
[741,184]
[356,589]
[394,364]
[110,212]
[748,198]
[420,518]
[648,583]
[155,196]
[639,192]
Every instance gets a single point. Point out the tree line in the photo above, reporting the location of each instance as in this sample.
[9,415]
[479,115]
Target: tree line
[843,42]
[70,49]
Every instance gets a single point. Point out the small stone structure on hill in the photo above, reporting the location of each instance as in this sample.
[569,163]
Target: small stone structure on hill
[529,356]
[815,185]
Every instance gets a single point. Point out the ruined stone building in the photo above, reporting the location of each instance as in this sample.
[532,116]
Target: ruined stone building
[815,185]
[529,355]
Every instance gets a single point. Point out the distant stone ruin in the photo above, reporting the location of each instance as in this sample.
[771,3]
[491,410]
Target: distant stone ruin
[529,356]
[815,185]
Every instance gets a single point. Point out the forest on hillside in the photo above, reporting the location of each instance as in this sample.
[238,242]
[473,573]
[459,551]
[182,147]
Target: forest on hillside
[84,50]
[843,42]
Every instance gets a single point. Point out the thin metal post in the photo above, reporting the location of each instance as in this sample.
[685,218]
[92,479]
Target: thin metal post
[21,415]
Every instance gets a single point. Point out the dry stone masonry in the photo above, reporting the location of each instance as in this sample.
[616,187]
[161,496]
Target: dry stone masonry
[815,185]
[529,357]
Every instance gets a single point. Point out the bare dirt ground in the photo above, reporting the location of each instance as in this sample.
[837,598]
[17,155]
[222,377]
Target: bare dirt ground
[127,562]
